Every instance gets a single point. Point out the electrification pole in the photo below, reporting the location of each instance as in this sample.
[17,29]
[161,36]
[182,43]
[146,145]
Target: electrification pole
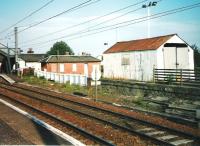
[154,3]
[16,49]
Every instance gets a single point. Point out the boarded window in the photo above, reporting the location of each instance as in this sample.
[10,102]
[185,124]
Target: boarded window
[74,67]
[62,68]
[126,59]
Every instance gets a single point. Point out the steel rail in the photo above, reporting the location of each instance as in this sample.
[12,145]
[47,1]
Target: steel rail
[104,121]
[110,112]
[158,141]
[69,124]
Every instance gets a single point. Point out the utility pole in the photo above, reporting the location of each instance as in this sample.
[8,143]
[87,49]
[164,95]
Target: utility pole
[16,48]
[9,65]
[148,29]
[154,3]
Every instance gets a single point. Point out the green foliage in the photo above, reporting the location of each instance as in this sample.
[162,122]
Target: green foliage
[170,78]
[196,55]
[60,48]
[42,77]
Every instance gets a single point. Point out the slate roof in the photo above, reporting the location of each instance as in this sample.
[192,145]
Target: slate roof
[69,59]
[139,45]
[32,57]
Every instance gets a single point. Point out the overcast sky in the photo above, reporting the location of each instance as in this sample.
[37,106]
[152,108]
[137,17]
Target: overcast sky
[186,24]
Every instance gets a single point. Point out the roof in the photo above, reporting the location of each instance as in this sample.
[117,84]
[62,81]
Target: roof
[139,45]
[69,59]
[4,51]
[32,57]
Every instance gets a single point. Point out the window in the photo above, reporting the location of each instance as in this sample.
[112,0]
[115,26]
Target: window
[62,68]
[74,68]
[125,59]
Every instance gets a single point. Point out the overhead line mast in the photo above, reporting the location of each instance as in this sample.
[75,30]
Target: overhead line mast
[151,4]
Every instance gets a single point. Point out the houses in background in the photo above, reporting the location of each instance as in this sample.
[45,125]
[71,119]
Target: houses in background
[136,59]
[30,60]
[133,60]
[70,64]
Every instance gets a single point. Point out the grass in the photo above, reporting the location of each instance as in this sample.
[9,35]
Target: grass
[104,94]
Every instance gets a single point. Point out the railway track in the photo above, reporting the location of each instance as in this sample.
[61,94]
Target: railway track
[158,134]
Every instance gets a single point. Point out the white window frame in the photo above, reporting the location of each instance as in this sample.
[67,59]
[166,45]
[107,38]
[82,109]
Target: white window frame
[62,67]
[74,67]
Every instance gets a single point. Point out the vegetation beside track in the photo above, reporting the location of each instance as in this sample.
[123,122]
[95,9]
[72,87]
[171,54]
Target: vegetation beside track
[105,95]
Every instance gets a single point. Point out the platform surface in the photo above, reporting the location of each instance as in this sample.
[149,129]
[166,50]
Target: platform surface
[16,129]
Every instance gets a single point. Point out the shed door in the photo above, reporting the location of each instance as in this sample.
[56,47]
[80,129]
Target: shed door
[183,58]
[176,58]
[169,57]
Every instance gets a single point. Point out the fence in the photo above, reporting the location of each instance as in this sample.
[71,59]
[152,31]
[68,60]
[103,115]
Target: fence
[177,76]
[63,78]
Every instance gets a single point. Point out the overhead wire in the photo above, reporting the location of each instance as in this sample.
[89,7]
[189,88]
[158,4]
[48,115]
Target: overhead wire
[81,5]
[88,21]
[126,23]
[29,15]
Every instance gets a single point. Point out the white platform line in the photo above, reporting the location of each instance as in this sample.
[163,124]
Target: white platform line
[65,136]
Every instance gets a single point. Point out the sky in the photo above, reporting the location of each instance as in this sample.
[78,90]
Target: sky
[42,37]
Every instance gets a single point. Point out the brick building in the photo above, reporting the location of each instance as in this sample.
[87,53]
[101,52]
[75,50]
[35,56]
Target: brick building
[70,64]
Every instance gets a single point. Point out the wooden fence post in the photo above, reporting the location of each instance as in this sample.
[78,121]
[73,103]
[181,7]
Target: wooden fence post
[154,73]
[181,81]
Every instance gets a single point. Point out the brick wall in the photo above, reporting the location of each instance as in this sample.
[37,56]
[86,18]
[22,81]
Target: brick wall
[68,67]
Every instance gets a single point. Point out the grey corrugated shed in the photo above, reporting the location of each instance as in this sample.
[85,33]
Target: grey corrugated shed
[69,59]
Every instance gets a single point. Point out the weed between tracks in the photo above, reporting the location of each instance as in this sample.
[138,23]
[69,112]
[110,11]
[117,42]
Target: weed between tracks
[106,95]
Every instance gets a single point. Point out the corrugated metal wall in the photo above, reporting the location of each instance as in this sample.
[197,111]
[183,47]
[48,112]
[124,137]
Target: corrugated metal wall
[141,63]
[140,66]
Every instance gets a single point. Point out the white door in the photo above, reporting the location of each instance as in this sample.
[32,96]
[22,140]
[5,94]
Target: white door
[183,58]
[169,57]
[176,58]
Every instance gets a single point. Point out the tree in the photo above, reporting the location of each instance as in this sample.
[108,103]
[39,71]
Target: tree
[60,48]
[196,55]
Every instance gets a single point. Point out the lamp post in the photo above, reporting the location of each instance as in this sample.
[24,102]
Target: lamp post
[153,3]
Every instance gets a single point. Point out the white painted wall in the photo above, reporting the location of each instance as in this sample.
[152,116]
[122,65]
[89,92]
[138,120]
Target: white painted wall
[191,58]
[36,65]
[140,68]
[142,62]
[23,64]
[166,55]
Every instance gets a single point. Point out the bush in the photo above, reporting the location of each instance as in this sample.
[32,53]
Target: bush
[170,79]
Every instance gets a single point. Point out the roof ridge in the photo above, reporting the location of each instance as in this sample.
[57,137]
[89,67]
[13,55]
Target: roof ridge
[148,38]
[140,44]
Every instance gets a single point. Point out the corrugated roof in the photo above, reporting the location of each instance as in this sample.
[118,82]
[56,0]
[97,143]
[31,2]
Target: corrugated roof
[139,45]
[32,57]
[69,59]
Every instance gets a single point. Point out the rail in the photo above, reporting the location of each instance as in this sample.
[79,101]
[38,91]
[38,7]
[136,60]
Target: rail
[132,119]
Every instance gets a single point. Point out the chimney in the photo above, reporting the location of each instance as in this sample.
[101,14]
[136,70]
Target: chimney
[30,51]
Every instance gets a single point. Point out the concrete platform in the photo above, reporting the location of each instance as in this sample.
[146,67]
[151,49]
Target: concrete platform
[16,129]
[9,136]
[7,79]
